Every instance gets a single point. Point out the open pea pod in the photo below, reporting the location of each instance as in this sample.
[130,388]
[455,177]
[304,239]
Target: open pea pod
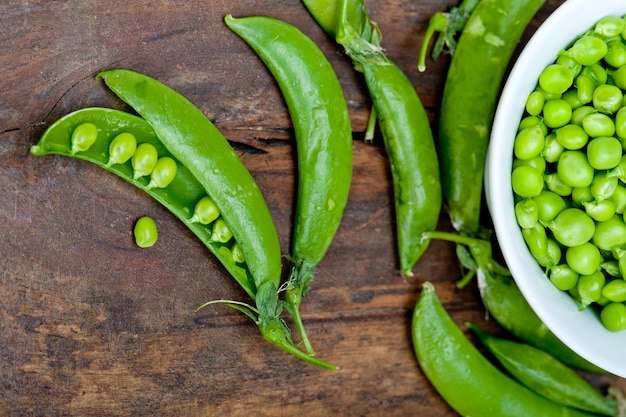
[180,196]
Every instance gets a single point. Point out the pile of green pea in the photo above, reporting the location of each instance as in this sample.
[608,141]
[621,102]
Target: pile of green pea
[569,171]
[161,171]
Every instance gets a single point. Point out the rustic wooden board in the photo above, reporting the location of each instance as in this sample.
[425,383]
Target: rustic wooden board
[91,325]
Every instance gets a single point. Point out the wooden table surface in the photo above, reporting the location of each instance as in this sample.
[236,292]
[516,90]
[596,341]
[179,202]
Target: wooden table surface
[91,325]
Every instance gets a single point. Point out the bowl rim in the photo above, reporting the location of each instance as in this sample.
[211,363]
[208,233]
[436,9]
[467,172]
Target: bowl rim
[558,311]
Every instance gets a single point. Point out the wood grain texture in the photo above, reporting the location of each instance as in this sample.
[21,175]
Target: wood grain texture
[91,325]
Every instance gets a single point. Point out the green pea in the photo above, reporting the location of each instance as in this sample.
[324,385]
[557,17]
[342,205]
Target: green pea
[611,267]
[596,73]
[557,113]
[607,98]
[537,241]
[221,232]
[83,137]
[571,97]
[555,79]
[588,50]
[548,204]
[584,88]
[553,256]
[598,124]
[526,181]
[572,227]
[620,123]
[604,152]
[122,148]
[552,149]
[619,171]
[537,162]
[572,137]
[144,160]
[163,173]
[579,113]
[619,198]
[619,77]
[603,186]
[556,184]
[535,102]
[547,95]
[610,234]
[609,26]
[570,63]
[574,169]
[532,121]
[526,213]
[600,210]
[146,232]
[238,253]
[205,211]
[581,196]
[613,316]
[616,55]
[563,277]
[589,287]
[585,259]
[529,142]
[615,290]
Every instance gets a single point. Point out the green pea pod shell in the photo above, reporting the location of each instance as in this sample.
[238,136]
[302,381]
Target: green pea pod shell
[179,197]
[506,304]
[545,375]
[465,379]
[471,90]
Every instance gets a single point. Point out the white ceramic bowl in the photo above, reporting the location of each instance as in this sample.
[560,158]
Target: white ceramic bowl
[581,331]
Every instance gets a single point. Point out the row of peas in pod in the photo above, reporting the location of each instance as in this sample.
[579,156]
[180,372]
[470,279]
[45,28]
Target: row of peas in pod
[160,171]
[569,171]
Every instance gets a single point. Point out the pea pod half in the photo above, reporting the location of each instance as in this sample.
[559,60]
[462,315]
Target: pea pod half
[403,121]
[468,382]
[323,134]
[210,168]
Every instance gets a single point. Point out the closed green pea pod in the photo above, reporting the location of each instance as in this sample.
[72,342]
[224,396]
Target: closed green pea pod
[545,375]
[468,382]
[83,137]
[319,113]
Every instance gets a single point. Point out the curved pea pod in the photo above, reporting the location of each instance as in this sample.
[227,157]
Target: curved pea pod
[323,135]
[178,197]
[472,86]
[465,379]
[545,375]
[506,304]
